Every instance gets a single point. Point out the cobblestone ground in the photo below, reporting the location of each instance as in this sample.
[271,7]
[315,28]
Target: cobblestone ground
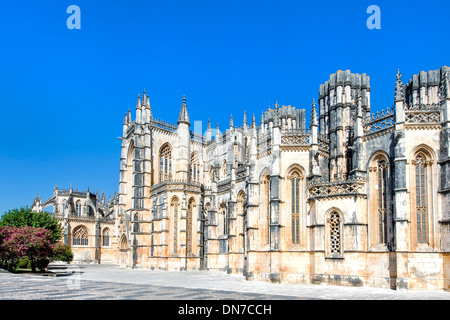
[108,282]
[19,287]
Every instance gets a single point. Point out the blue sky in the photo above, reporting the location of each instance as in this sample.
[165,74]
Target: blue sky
[63,93]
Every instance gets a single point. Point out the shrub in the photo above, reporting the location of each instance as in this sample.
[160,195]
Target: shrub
[33,244]
[62,252]
[25,217]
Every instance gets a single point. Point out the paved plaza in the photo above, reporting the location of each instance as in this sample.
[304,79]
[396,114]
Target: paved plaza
[108,282]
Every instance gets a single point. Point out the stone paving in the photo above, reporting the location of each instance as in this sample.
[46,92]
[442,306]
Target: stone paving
[108,282]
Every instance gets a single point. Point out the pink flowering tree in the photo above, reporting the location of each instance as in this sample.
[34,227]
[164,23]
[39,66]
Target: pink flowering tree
[33,244]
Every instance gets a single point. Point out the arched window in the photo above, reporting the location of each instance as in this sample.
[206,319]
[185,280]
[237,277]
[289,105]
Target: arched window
[265,204]
[422,166]
[80,236]
[380,214]
[123,243]
[78,208]
[195,167]
[174,206]
[240,219]
[222,223]
[105,242]
[295,178]
[190,213]
[382,201]
[334,234]
[224,170]
[165,163]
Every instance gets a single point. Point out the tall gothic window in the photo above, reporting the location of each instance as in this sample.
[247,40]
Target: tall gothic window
[381,221]
[420,164]
[165,163]
[382,201]
[240,226]
[195,167]
[222,223]
[190,213]
[334,234]
[265,199]
[78,208]
[175,208]
[80,236]
[105,239]
[295,207]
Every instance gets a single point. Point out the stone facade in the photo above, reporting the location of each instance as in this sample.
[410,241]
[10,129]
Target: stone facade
[354,198]
[90,223]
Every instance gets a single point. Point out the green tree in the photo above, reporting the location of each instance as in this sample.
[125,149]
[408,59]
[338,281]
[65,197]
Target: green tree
[23,217]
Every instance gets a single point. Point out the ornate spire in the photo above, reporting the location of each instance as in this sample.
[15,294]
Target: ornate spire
[444,87]
[184,117]
[209,125]
[253,121]
[314,114]
[231,121]
[399,89]
[138,103]
[245,117]
[262,118]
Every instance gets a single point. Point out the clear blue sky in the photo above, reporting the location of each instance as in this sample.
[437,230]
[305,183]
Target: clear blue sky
[63,93]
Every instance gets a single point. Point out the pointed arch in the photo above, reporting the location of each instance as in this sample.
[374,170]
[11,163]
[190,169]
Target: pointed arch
[123,243]
[129,175]
[106,233]
[422,195]
[195,170]
[265,208]
[175,212]
[381,220]
[240,219]
[165,162]
[224,170]
[222,219]
[295,200]
[334,241]
[189,225]
[78,208]
[80,236]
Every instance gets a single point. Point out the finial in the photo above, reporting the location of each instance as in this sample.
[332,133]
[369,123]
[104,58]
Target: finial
[184,117]
[314,114]
[399,75]
[276,104]
[209,124]
[399,90]
[231,121]
[245,117]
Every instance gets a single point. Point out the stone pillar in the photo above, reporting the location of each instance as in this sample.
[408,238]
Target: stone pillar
[401,222]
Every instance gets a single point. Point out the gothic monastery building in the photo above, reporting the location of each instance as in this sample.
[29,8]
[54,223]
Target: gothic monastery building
[349,197]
